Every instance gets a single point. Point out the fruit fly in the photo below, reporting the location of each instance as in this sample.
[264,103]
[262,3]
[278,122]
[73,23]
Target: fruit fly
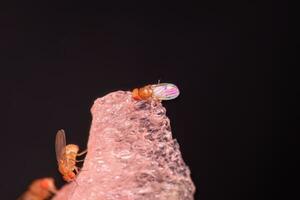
[66,156]
[39,189]
[160,91]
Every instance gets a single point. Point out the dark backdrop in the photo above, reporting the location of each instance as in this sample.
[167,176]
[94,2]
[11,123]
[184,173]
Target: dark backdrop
[57,58]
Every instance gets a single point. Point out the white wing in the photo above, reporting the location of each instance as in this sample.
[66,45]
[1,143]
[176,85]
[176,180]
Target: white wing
[165,91]
[60,144]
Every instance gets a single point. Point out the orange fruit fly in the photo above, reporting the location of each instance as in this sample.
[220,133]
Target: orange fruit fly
[39,189]
[160,91]
[66,157]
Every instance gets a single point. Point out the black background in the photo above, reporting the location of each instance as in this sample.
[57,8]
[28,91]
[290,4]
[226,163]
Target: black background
[57,58]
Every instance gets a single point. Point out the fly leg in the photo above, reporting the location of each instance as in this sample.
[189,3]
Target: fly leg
[83,152]
[76,169]
[80,154]
[77,160]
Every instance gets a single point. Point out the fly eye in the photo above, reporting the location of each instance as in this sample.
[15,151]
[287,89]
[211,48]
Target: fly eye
[71,174]
[44,184]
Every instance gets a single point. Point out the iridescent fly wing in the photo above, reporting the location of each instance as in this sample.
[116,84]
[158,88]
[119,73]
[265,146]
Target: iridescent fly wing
[60,144]
[165,91]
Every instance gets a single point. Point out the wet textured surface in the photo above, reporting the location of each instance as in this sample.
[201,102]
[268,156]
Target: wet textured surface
[131,155]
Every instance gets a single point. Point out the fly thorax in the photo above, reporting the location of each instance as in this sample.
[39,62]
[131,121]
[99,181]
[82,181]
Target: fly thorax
[72,149]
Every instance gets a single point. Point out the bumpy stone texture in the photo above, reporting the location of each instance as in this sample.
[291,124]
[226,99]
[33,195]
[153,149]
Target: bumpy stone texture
[131,155]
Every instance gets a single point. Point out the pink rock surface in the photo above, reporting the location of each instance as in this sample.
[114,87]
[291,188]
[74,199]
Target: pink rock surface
[131,155]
